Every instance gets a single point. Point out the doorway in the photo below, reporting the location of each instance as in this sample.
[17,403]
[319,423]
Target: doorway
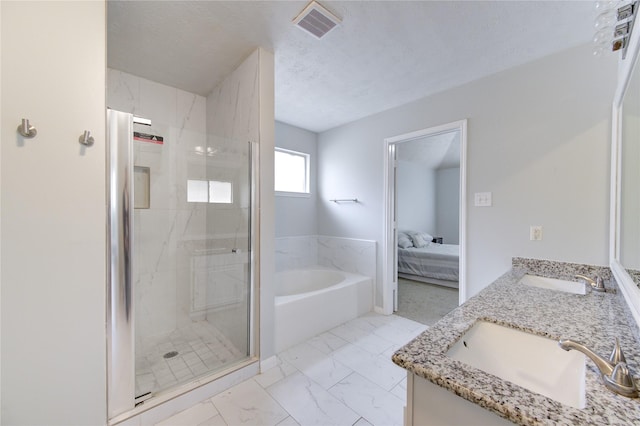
[422,244]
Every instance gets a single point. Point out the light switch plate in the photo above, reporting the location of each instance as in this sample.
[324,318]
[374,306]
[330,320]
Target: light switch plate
[482,199]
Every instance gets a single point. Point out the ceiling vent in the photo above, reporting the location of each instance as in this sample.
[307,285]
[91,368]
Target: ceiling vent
[316,20]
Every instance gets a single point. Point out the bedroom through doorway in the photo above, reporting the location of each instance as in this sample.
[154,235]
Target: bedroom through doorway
[424,224]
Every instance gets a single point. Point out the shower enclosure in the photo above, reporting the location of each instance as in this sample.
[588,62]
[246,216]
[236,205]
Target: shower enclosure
[181,258]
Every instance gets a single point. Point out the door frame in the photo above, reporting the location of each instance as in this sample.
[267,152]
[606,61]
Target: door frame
[389,240]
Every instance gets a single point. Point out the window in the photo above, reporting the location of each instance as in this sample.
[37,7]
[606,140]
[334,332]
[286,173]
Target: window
[220,192]
[197,191]
[212,191]
[291,171]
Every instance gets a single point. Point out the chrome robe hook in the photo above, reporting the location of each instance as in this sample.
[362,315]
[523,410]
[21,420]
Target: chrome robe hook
[86,138]
[26,130]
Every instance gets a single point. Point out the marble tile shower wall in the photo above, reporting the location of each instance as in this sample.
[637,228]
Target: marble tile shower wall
[233,122]
[164,235]
[345,254]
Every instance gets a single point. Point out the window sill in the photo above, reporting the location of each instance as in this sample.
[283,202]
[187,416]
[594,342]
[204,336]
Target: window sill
[293,194]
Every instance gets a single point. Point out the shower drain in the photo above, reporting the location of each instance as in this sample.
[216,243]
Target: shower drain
[170,354]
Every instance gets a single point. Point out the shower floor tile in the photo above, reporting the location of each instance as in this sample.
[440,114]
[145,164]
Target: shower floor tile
[200,348]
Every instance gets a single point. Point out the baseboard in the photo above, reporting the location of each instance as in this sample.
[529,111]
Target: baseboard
[379,310]
[268,363]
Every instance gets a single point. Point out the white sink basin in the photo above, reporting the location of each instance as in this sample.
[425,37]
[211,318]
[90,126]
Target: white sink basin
[533,362]
[554,284]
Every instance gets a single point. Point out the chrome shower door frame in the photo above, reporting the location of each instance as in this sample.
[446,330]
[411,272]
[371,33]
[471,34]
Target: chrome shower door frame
[120,320]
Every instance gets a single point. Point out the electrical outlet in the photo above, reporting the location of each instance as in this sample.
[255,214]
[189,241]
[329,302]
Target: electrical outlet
[535,232]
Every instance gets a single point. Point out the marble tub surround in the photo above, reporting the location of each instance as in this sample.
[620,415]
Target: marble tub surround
[344,254]
[348,254]
[595,320]
[296,252]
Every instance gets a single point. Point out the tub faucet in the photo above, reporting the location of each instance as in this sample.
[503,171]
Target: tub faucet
[614,371]
[596,285]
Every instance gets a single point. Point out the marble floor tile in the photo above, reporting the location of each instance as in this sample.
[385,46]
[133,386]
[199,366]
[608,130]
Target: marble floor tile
[395,335]
[363,323]
[377,320]
[350,332]
[341,377]
[275,374]
[301,355]
[377,368]
[309,404]
[214,421]
[289,421]
[400,390]
[374,343]
[327,372]
[248,404]
[320,367]
[327,342]
[389,352]
[375,404]
[362,422]
[406,324]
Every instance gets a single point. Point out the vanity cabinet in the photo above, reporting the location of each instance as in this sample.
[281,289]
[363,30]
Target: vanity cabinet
[429,404]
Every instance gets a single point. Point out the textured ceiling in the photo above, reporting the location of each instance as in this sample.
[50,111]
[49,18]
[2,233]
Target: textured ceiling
[441,151]
[384,54]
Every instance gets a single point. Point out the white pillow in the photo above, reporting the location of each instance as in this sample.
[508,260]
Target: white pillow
[421,239]
[404,241]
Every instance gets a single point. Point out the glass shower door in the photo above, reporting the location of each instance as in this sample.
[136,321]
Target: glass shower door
[181,259]
[192,265]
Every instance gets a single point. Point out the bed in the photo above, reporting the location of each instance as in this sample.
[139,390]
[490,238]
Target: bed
[430,262]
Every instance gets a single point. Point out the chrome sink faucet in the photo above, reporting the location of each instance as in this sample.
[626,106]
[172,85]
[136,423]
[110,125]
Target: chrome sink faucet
[596,285]
[614,371]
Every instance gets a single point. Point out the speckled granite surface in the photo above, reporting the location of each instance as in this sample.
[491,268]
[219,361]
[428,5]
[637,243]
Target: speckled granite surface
[595,319]
[635,275]
[560,270]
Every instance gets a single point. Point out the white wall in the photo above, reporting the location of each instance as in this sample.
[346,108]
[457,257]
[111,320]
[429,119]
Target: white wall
[416,197]
[448,205]
[538,138]
[53,214]
[297,216]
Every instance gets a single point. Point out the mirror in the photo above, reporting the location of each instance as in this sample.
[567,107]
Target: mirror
[625,178]
[629,251]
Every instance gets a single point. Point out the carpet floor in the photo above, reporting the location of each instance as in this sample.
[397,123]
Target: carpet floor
[425,303]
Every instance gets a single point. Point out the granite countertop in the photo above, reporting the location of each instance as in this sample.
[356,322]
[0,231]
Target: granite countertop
[595,320]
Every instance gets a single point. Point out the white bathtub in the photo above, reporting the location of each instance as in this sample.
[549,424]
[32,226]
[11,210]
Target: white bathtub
[313,300]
